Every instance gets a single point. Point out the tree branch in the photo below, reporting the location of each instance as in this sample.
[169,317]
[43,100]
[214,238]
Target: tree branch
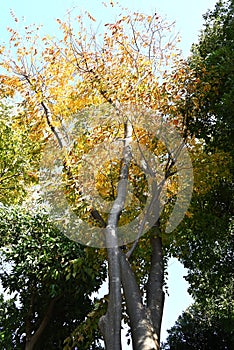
[31,342]
[51,126]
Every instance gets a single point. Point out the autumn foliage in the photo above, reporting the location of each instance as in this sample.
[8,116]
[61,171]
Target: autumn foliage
[87,89]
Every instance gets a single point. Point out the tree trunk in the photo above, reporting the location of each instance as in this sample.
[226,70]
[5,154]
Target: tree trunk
[110,324]
[144,336]
[31,340]
[145,320]
[155,294]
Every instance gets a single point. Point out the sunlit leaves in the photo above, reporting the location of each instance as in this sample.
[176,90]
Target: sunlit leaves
[19,157]
[84,68]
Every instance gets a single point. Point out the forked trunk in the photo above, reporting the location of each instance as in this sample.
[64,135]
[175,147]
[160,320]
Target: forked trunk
[144,336]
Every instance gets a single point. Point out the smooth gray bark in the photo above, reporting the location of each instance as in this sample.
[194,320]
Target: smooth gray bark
[155,293]
[110,323]
[144,336]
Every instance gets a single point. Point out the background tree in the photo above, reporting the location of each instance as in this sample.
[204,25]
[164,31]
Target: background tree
[195,329]
[19,156]
[206,245]
[212,60]
[50,280]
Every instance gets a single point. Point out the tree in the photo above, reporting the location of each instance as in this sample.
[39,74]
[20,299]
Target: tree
[205,243]
[19,157]
[197,330]
[212,61]
[209,257]
[49,280]
[114,89]
[204,246]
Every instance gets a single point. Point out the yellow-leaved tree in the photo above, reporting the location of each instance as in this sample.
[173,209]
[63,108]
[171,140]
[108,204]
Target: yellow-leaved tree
[111,101]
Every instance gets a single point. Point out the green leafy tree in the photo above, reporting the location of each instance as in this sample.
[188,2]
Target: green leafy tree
[209,254]
[205,241]
[49,278]
[212,60]
[19,156]
[197,330]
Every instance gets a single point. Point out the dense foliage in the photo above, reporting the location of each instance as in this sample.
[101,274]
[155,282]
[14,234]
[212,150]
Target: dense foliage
[49,279]
[197,330]
[205,243]
[19,156]
[212,60]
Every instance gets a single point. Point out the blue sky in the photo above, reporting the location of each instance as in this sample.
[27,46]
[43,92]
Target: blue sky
[187,14]
[188,17]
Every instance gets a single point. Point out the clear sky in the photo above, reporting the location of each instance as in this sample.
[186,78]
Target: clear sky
[188,17]
[188,14]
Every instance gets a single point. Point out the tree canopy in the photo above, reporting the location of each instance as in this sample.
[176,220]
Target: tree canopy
[125,124]
[195,329]
[206,248]
[50,280]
